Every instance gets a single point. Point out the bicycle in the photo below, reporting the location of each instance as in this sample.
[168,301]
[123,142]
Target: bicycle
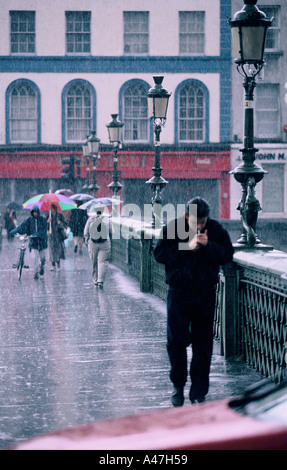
[21,259]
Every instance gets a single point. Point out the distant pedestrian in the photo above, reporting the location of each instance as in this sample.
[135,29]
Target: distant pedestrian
[97,237]
[10,222]
[36,227]
[77,224]
[192,275]
[57,224]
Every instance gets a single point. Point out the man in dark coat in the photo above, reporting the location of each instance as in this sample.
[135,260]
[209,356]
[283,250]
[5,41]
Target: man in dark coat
[192,266]
[77,224]
[36,227]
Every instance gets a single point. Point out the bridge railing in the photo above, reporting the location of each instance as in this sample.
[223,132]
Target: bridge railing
[251,307]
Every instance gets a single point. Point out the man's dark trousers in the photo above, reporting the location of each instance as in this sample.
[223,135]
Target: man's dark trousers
[190,321]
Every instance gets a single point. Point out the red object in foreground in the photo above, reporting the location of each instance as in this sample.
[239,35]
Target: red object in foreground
[208,426]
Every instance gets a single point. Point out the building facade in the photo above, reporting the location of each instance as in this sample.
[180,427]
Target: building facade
[270,117]
[67,66]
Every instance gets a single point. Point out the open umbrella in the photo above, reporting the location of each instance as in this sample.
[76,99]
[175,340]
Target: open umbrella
[43,201]
[65,192]
[14,206]
[81,197]
[100,202]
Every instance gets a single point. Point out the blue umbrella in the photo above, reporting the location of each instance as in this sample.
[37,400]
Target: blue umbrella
[100,202]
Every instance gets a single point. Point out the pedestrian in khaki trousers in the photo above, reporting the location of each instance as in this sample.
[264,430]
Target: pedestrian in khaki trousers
[96,234]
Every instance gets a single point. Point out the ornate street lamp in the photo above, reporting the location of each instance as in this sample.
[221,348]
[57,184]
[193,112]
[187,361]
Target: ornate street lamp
[90,150]
[158,99]
[115,128]
[93,148]
[249,27]
[87,158]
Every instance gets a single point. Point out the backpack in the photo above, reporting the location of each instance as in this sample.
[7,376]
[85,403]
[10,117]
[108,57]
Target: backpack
[98,230]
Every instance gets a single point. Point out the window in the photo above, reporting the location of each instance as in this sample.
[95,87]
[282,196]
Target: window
[191,32]
[23,107]
[79,114]
[273,201]
[267,111]
[135,112]
[22,32]
[191,113]
[78,32]
[136,32]
[273,32]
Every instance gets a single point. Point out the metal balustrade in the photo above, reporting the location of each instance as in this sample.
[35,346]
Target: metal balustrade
[263,311]
[251,308]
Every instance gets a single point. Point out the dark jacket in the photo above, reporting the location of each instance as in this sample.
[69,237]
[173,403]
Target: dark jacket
[197,270]
[78,221]
[36,227]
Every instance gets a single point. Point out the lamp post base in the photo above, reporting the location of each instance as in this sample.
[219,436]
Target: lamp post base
[115,186]
[93,188]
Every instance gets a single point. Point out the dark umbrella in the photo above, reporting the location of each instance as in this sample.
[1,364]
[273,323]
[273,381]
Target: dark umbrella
[65,192]
[14,206]
[81,197]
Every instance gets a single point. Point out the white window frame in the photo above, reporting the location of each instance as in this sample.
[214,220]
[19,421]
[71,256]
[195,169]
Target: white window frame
[23,114]
[264,113]
[191,32]
[188,116]
[78,32]
[135,112]
[22,32]
[273,32]
[79,112]
[136,32]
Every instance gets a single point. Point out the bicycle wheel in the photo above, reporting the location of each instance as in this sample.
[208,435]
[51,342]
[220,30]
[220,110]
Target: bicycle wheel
[20,264]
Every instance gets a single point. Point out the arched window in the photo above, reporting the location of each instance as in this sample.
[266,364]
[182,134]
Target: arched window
[23,119]
[192,112]
[135,112]
[78,112]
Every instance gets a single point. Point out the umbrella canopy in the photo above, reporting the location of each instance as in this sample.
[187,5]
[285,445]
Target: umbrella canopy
[100,202]
[14,206]
[43,201]
[65,192]
[81,197]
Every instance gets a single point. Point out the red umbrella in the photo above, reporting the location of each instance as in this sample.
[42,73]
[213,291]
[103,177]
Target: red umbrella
[43,201]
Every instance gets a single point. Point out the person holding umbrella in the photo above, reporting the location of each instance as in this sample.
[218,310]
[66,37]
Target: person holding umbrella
[77,224]
[10,221]
[78,221]
[36,227]
[57,223]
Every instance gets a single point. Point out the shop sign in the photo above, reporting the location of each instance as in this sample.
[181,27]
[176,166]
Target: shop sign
[269,156]
[203,161]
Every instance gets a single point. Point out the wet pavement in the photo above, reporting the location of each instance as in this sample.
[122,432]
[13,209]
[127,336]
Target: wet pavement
[72,354]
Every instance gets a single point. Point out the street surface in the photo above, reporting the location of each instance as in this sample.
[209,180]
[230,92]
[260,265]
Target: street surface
[71,353]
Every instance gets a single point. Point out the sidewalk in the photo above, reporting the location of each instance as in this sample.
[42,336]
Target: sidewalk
[72,354]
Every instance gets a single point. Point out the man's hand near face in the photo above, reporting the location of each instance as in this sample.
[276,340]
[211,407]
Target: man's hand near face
[200,239]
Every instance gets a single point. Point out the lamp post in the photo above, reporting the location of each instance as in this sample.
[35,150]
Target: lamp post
[87,158]
[93,149]
[248,28]
[158,99]
[115,128]
[90,150]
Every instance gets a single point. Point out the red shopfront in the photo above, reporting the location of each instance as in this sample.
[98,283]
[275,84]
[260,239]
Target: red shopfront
[188,174]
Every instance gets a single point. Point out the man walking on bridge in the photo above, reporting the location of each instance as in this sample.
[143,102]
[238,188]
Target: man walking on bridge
[192,266]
